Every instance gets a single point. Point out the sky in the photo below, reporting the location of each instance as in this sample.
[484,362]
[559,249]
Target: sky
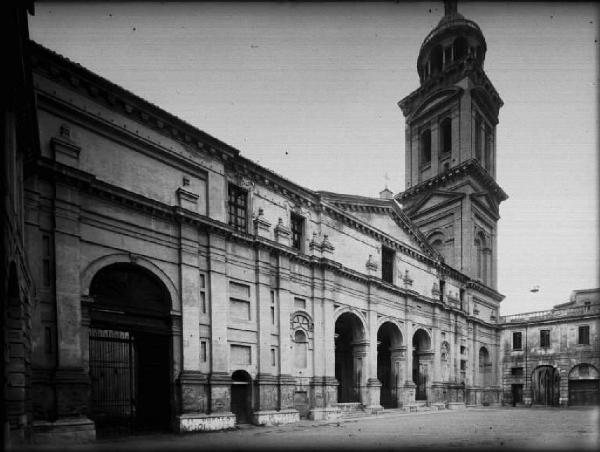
[310,91]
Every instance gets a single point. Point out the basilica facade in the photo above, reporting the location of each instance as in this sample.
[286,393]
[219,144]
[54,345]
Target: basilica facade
[160,280]
[182,286]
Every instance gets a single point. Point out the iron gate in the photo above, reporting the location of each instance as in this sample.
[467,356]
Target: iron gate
[113,379]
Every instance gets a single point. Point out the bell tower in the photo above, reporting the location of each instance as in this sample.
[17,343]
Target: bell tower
[451,190]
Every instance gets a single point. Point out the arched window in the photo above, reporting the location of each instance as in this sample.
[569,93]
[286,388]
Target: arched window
[426,147]
[483,259]
[460,48]
[446,136]
[436,59]
[437,243]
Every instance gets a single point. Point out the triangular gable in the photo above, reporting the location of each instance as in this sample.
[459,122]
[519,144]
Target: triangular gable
[487,203]
[385,216]
[434,199]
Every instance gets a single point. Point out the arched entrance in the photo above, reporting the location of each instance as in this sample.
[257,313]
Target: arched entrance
[129,351]
[241,396]
[485,367]
[545,385]
[389,340]
[350,356]
[584,385]
[421,363]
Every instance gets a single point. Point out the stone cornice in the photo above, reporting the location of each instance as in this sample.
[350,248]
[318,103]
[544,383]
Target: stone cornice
[470,167]
[88,183]
[455,72]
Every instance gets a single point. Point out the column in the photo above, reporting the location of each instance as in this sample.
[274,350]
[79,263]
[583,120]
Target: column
[398,359]
[373,384]
[220,379]
[408,392]
[72,384]
[192,382]
[267,387]
[286,382]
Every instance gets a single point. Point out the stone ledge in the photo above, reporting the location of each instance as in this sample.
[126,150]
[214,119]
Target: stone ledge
[456,405]
[70,430]
[274,417]
[323,414]
[202,422]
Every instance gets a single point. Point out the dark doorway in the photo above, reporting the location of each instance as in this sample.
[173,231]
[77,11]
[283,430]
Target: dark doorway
[130,352]
[421,351]
[545,383]
[584,385]
[517,393]
[241,396]
[584,392]
[348,368]
[388,338]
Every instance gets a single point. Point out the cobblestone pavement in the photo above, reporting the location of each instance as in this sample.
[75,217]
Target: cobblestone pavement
[472,428]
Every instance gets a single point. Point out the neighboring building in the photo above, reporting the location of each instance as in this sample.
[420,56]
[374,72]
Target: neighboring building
[553,357]
[18,146]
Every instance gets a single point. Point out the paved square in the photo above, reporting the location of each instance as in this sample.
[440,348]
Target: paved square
[473,428]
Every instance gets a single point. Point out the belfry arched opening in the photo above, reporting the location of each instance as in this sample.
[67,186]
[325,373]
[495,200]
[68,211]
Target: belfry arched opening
[129,351]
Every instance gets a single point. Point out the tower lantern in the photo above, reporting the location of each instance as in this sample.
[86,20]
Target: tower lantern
[451,192]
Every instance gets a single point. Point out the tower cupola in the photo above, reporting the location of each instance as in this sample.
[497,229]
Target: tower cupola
[454,41]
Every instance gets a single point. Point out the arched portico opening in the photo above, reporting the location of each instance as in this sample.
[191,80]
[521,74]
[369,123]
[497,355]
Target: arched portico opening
[545,385]
[129,351]
[241,396]
[421,363]
[350,357]
[389,341]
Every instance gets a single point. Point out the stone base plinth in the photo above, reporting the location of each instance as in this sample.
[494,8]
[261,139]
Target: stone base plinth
[68,430]
[202,422]
[274,417]
[322,414]
[438,406]
[456,405]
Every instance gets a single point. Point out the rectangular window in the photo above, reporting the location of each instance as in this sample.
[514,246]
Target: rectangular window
[272,307]
[544,338]
[240,309]
[516,371]
[46,259]
[387,264]
[238,207]
[442,289]
[273,357]
[463,364]
[203,351]
[584,335]
[202,294]
[426,147]
[297,223]
[478,139]
[239,301]
[517,341]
